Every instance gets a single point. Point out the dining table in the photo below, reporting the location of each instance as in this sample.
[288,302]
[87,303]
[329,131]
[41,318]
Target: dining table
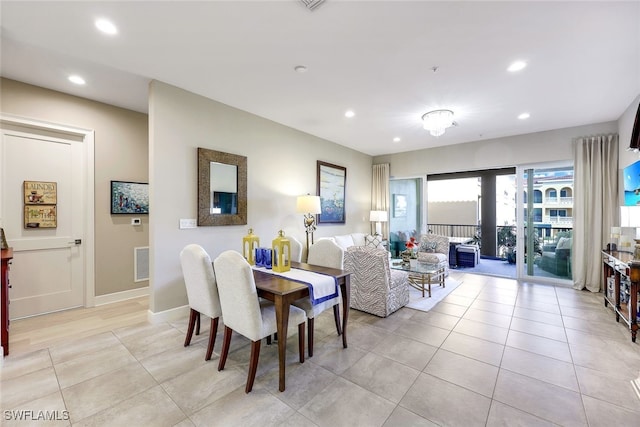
[282,292]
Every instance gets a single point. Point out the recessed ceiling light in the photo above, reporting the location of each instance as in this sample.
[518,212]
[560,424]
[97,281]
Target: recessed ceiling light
[300,69]
[76,80]
[106,27]
[524,116]
[396,139]
[517,66]
[349,113]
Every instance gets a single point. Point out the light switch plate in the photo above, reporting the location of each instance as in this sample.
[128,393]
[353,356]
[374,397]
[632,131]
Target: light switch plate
[187,223]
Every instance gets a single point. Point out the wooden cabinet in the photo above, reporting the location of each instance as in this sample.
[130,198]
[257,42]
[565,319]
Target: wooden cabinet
[622,282]
[7,256]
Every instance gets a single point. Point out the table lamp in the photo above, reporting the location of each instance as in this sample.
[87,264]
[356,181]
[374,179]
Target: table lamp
[378,217]
[309,206]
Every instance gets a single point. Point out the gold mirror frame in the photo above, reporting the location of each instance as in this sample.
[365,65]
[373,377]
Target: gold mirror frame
[205,217]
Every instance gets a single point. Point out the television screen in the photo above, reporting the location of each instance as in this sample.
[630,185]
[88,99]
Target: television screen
[632,184]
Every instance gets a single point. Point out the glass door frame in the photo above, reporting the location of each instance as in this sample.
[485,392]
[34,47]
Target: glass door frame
[521,270]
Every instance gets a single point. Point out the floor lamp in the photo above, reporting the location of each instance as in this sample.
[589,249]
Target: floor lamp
[309,206]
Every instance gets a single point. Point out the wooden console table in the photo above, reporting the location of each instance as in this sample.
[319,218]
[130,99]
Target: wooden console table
[622,267]
[7,256]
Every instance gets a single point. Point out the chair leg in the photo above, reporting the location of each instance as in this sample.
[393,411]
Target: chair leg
[213,330]
[253,365]
[336,316]
[226,340]
[301,341]
[192,321]
[310,335]
[198,324]
[269,340]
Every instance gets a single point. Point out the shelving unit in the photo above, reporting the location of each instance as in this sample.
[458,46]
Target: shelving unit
[623,298]
[7,256]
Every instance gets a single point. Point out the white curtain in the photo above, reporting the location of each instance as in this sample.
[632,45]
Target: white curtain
[595,206]
[380,192]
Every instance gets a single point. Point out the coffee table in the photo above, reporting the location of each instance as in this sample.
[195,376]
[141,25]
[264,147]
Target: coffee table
[421,274]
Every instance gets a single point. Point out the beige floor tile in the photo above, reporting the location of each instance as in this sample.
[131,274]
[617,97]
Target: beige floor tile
[434,318]
[493,307]
[483,316]
[334,407]
[540,306]
[450,309]
[462,300]
[426,334]
[21,364]
[365,336]
[297,420]
[48,410]
[145,345]
[409,352]
[92,365]
[482,330]
[258,408]
[538,316]
[497,297]
[203,385]
[176,361]
[403,417]
[614,388]
[539,398]
[333,356]
[382,376]
[471,374]
[77,348]
[439,402]
[540,367]
[150,408]
[604,359]
[501,415]
[185,423]
[92,396]
[604,414]
[28,387]
[474,348]
[540,329]
[540,345]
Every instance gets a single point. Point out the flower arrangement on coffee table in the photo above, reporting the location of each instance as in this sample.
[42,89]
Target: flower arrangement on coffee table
[411,250]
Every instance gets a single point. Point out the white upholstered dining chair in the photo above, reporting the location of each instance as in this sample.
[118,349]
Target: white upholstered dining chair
[324,253]
[296,249]
[202,292]
[244,314]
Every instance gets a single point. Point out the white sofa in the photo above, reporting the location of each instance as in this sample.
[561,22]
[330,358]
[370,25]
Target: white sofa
[345,241]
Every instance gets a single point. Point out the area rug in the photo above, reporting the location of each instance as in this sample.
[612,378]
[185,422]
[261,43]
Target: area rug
[438,293]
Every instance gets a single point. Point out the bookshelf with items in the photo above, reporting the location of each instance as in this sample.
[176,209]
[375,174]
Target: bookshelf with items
[622,285]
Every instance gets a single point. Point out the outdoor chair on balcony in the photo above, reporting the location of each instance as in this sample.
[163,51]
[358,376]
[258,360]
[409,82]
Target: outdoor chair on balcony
[556,257]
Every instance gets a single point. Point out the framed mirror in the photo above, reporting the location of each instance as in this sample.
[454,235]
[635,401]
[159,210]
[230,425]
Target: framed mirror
[222,188]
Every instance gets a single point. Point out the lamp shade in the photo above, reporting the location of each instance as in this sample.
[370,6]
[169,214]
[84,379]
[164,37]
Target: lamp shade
[378,216]
[308,204]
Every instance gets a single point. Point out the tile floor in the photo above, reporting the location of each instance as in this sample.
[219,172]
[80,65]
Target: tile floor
[493,353]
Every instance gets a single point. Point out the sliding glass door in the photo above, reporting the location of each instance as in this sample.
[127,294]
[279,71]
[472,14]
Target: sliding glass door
[545,212]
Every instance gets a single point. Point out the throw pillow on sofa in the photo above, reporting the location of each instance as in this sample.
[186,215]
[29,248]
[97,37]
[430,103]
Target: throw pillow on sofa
[345,241]
[374,241]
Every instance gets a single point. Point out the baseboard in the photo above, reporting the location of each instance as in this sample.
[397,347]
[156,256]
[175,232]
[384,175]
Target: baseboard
[121,296]
[168,315]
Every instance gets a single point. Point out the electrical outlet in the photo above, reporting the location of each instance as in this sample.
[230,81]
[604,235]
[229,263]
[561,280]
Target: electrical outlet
[136,221]
[187,223]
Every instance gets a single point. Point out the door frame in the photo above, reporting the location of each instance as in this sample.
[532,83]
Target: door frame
[88,141]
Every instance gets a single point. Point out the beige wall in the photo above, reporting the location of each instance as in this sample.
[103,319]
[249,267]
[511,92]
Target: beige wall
[281,166]
[121,147]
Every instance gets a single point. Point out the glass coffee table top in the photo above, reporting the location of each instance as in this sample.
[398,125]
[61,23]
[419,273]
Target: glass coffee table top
[414,266]
[421,274]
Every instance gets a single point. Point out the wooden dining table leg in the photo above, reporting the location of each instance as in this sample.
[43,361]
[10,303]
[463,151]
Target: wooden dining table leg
[346,301]
[282,320]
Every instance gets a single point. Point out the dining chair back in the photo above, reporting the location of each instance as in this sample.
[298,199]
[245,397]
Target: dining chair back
[244,314]
[202,292]
[324,253]
[296,249]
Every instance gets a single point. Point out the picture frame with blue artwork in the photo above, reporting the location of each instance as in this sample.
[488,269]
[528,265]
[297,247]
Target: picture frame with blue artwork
[332,182]
[631,182]
[129,197]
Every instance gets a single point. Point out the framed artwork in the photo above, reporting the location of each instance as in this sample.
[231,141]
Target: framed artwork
[40,202]
[399,205]
[332,180]
[129,197]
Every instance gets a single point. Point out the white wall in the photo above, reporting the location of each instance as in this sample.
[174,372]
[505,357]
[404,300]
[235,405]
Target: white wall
[531,148]
[281,166]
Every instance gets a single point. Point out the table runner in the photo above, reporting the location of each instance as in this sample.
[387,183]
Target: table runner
[321,286]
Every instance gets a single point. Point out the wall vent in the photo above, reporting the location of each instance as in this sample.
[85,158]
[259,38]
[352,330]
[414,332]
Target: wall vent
[141,264]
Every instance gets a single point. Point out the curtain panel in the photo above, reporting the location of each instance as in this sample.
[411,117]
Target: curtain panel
[380,192]
[595,206]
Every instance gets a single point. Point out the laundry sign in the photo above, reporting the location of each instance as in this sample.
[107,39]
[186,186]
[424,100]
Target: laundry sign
[40,204]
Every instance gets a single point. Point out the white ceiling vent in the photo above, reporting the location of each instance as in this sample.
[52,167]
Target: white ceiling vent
[312,4]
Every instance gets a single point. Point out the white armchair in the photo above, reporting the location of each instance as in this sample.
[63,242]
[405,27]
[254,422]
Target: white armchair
[434,249]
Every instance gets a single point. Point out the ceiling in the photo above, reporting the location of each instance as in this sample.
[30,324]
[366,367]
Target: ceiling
[376,58]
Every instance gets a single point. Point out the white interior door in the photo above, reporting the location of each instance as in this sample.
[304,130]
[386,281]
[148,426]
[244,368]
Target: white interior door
[48,270]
